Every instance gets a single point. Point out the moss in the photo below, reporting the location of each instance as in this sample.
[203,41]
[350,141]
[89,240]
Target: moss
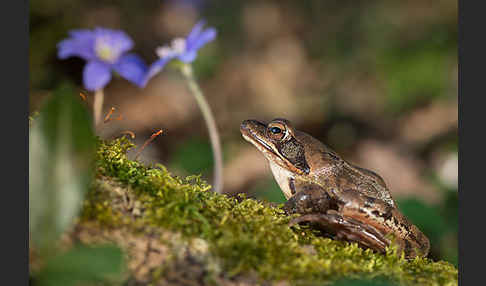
[246,235]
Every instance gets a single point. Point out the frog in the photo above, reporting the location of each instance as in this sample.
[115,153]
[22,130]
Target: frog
[342,200]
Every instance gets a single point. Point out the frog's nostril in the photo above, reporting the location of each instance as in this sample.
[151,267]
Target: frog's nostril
[244,125]
[245,122]
[252,126]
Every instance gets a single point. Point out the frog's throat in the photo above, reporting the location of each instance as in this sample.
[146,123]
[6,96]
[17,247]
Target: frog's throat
[271,153]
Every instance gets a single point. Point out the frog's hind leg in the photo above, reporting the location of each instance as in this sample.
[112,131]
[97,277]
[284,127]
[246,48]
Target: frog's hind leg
[347,229]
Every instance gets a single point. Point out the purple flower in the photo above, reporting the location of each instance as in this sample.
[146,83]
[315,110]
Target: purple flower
[183,49]
[104,50]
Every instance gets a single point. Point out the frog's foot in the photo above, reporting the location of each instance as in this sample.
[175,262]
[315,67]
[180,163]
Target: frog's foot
[347,229]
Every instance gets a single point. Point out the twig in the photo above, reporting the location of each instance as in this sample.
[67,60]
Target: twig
[148,141]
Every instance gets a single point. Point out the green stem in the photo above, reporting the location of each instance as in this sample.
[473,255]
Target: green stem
[211,124]
[98,106]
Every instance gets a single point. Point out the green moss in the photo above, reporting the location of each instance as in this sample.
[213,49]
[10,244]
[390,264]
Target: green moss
[246,235]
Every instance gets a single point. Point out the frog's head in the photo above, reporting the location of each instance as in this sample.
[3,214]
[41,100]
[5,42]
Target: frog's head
[279,142]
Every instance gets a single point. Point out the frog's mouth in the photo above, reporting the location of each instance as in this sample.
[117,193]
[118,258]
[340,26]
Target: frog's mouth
[253,131]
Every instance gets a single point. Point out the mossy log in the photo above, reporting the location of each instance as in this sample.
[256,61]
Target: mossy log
[175,231]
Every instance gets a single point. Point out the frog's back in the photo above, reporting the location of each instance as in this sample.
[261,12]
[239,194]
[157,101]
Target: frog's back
[366,182]
[338,172]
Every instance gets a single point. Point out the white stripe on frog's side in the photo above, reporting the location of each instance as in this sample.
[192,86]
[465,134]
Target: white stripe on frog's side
[282,176]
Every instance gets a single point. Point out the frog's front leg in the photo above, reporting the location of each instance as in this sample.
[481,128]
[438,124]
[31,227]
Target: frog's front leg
[309,198]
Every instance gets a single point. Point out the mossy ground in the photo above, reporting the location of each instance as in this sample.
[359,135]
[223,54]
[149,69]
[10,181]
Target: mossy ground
[246,236]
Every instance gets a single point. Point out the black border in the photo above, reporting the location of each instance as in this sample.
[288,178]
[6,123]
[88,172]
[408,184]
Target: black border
[14,25]
[460,89]
[472,78]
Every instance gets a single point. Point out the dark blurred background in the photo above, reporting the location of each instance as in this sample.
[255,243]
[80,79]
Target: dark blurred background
[375,80]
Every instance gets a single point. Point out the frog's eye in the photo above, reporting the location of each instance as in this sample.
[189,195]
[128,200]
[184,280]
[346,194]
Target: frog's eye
[277,131]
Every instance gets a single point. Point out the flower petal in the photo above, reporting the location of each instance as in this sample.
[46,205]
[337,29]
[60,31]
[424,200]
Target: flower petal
[196,30]
[80,44]
[205,37]
[188,57]
[118,40]
[132,68]
[96,75]
[79,33]
[154,69]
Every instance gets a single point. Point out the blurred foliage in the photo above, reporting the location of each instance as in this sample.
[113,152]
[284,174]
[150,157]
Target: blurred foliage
[269,191]
[194,156]
[61,153]
[416,76]
[82,264]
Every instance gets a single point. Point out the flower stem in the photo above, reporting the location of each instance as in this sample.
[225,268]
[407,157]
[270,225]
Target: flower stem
[211,124]
[98,106]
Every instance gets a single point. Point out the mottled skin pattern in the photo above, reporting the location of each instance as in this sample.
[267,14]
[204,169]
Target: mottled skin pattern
[345,201]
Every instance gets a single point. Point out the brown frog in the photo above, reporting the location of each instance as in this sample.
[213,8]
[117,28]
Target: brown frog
[345,201]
